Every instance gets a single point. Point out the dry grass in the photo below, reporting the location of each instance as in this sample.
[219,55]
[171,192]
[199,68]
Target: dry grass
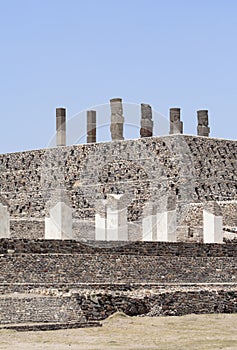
[196,332]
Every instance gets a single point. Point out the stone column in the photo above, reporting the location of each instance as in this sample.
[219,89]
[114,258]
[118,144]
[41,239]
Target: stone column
[100,221]
[117,119]
[61,126]
[59,223]
[212,223]
[146,121]
[149,222]
[91,126]
[4,222]
[117,228]
[167,220]
[203,128]
[176,126]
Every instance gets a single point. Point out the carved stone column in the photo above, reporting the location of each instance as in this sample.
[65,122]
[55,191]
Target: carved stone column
[91,126]
[61,126]
[146,121]
[117,119]
[203,128]
[176,126]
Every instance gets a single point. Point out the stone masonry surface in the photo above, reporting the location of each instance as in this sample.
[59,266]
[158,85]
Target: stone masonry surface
[194,169]
[69,282]
[79,280]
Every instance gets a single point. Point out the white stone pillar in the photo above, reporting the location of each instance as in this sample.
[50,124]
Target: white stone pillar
[4,222]
[166,226]
[212,223]
[100,221]
[167,221]
[117,228]
[149,223]
[59,223]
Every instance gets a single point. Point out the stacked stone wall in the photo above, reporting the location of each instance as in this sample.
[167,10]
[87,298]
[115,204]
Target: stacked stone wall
[176,303]
[98,306]
[65,262]
[74,268]
[67,281]
[195,169]
[14,247]
[194,214]
[25,308]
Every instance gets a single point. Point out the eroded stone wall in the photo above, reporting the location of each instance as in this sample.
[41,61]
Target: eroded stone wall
[68,281]
[28,308]
[195,169]
[137,263]
[98,305]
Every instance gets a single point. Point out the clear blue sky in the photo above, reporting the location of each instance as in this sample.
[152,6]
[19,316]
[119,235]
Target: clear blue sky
[77,54]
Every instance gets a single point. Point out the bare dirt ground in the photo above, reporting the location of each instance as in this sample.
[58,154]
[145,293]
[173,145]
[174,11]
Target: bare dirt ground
[196,332]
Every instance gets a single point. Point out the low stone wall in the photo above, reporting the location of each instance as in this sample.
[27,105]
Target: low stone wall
[51,326]
[182,249]
[24,309]
[115,268]
[165,304]
[98,306]
[126,273]
[202,302]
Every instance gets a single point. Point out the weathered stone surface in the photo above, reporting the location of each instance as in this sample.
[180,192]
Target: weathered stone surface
[133,265]
[91,126]
[196,169]
[203,127]
[176,126]
[146,129]
[61,126]
[86,306]
[36,308]
[182,249]
[117,119]
[66,281]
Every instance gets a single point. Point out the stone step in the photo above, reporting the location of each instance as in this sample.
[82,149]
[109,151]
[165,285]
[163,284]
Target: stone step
[50,326]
